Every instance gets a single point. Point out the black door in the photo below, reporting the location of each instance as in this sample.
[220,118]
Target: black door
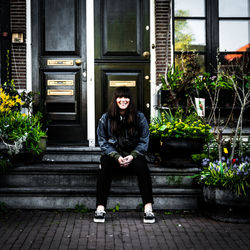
[59,67]
[122,56]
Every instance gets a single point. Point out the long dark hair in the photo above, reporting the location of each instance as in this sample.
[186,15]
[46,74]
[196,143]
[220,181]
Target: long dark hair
[130,114]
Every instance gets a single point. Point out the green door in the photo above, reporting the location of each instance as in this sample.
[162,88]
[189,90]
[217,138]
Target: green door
[59,67]
[122,48]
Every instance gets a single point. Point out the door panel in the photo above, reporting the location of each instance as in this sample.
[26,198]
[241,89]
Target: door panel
[121,29]
[58,42]
[60,19]
[121,38]
[111,75]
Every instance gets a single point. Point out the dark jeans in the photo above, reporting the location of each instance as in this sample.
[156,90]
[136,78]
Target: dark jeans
[111,167]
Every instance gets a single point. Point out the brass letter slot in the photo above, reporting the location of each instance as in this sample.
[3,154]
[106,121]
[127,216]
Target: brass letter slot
[60,62]
[122,83]
[60,82]
[60,92]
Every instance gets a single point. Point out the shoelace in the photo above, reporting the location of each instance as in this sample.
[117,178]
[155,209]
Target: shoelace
[149,213]
[100,213]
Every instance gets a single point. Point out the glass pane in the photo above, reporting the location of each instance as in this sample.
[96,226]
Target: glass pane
[234,35]
[189,8]
[181,60]
[233,8]
[189,35]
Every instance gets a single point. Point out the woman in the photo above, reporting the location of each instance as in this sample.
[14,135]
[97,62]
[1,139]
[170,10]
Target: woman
[123,136]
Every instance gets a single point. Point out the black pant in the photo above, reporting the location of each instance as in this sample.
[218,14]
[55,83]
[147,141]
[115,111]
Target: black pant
[111,167]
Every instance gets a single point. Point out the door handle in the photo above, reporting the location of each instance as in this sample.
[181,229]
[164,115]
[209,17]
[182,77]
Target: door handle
[146,54]
[78,62]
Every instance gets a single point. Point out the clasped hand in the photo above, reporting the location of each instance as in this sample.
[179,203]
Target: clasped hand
[125,161]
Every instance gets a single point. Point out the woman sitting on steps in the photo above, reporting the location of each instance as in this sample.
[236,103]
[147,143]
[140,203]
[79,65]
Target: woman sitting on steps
[123,136]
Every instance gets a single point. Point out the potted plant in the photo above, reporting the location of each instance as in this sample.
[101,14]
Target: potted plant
[21,135]
[180,135]
[226,179]
[226,188]
[177,83]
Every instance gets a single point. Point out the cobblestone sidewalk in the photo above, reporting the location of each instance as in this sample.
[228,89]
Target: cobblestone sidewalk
[122,230]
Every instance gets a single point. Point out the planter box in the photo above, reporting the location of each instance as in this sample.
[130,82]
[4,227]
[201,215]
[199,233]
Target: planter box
[225,205]
[180,148]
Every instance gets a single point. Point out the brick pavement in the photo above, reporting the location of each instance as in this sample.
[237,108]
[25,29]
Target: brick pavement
[30,229]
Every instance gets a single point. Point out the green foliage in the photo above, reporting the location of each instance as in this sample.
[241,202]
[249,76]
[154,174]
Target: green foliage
[17,128]
[4,164]
[179,126]
[3,208]
[81,208]
[140,207]
[226,174]
[174,79]
[116,208]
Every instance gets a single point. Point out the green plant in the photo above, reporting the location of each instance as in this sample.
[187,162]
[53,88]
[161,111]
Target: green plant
[178,125]
[116,208]
[3,208]
[81,208]
[226,174]
[18,131]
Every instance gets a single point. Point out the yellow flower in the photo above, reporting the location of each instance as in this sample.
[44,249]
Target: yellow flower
[225,150]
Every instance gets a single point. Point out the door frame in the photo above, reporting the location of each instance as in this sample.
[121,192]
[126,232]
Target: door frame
[91,133]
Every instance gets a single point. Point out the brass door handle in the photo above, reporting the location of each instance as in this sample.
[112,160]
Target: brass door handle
[78,62]
[146,54]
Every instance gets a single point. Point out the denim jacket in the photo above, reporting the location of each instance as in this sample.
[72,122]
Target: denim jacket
[109,142]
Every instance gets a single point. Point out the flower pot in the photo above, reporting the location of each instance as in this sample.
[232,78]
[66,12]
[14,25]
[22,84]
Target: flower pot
[154,145]
[180,148]
[26,157]
[225,205]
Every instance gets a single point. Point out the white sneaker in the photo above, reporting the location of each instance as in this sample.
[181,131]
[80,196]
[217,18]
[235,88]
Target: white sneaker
[149,217]
[99,216]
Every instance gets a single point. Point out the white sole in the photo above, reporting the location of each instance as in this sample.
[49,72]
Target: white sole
[148,221]
[99,220]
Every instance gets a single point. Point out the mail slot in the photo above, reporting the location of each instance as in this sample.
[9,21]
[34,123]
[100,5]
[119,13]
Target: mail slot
[60,92]
[60,82]
[60,62]
[122,83]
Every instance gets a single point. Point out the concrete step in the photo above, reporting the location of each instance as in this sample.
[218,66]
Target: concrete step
[67,177]
[129,198]
[84,175]
[60,186]
[72,154]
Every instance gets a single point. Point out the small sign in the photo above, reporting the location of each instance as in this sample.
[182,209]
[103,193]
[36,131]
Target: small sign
[60,62]
[60,82]
[122,83]
[200,106]
[60,92]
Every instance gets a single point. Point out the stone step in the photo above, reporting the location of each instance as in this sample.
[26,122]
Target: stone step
[72,154]
[84,175]
[67,177]
[129,198]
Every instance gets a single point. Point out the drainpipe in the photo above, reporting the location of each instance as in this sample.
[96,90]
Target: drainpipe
[28,47]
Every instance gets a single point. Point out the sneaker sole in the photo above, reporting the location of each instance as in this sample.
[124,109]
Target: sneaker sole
[99,220]
[149,221]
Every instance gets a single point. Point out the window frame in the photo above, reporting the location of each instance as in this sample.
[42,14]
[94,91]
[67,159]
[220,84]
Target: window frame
[212,22]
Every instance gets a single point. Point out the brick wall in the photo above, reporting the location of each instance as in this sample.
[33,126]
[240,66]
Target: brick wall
[18,56]
[162,30]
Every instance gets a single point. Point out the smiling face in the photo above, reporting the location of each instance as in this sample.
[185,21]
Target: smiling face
[122,102]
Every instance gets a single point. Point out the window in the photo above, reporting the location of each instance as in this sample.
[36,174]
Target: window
[209,26]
